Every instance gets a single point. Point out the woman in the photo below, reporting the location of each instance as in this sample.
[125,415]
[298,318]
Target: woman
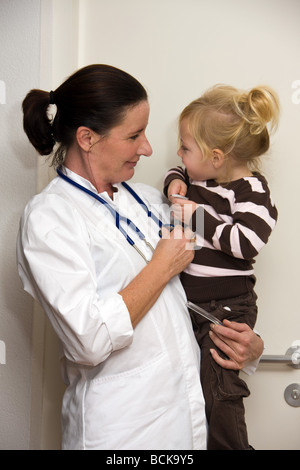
[89,251]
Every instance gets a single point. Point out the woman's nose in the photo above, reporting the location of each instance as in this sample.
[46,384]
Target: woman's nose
[145,148]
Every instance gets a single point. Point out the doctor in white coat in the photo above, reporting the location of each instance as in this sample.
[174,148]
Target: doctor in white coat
[90,251]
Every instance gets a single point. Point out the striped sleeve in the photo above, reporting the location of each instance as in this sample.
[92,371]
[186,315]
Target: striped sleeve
[239,219]
[175,173]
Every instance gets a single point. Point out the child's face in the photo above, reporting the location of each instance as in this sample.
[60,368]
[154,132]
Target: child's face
[198,167]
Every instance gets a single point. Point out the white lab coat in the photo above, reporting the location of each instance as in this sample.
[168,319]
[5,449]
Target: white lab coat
[126,388]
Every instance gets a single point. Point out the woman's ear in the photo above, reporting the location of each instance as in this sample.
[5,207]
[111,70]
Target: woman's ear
[84,137]
[217,158]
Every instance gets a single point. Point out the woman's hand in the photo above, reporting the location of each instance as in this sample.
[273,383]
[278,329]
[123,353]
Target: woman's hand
[174,251]
[238,342]
[172,254]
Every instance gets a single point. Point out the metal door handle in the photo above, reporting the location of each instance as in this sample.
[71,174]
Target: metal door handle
[291,358]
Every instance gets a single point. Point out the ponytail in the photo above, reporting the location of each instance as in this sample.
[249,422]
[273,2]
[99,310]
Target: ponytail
[258,108]
[36,122]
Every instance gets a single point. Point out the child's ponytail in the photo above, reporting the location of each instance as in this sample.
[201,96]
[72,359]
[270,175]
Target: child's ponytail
[258,108]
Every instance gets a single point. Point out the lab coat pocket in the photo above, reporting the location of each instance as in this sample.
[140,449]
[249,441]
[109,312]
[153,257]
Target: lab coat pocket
[125,407]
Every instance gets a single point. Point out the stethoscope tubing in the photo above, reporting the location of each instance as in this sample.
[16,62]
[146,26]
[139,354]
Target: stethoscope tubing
[118,217]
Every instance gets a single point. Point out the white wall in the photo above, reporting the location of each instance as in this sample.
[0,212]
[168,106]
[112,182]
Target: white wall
[179,48]
[176,48]
[34,50]
[19,70]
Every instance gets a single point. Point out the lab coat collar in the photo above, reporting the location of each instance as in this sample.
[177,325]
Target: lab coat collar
[86,183]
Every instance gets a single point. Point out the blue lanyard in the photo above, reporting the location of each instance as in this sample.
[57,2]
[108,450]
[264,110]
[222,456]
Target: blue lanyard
[118,217]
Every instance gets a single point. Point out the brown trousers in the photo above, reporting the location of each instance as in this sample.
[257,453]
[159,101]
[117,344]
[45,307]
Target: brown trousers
[223,389]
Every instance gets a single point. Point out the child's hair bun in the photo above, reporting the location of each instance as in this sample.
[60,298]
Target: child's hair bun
[259,107]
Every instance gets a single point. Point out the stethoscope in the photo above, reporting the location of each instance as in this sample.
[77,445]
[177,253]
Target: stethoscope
[120,218]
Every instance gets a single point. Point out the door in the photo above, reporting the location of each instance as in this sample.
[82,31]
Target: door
[273,423]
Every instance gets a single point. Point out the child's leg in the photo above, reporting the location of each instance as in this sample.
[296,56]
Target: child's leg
[223,389]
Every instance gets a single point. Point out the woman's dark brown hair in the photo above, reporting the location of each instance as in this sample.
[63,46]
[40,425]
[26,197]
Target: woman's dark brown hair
[96,96]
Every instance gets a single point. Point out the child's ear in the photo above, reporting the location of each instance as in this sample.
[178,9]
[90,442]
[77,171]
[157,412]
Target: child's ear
[217,158]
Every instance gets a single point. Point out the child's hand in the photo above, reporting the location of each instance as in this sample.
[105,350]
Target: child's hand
[176,186]
[183,209]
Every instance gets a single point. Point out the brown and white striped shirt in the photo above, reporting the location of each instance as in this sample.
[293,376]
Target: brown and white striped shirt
[238,218]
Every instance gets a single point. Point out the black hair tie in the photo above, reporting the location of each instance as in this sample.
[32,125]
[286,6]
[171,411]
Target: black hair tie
[51,97]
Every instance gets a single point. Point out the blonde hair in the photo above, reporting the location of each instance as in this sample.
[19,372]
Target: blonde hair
[234,121]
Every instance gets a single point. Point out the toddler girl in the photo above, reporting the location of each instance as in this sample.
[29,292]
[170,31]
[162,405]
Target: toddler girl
[222,136]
